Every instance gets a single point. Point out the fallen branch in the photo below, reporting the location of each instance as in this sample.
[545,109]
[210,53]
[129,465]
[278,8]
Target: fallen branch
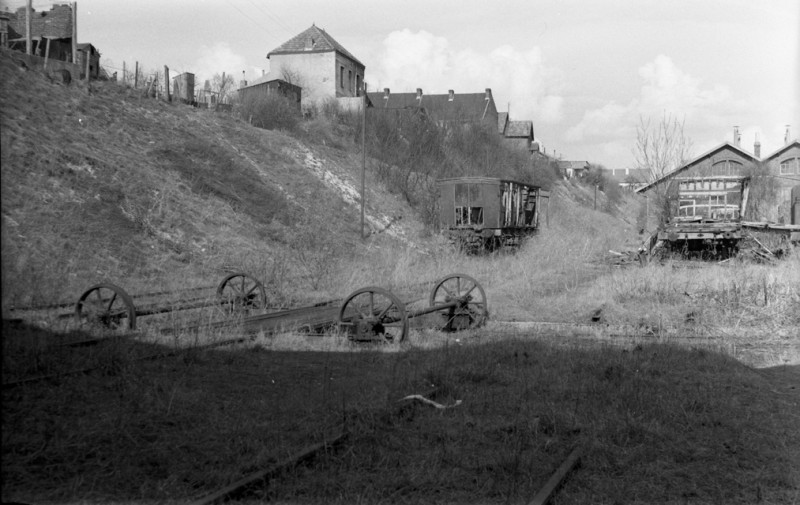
[432,403]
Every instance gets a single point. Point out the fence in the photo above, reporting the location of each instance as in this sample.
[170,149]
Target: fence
[49,64]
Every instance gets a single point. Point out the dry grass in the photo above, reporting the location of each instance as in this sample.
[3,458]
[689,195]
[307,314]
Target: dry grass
[657,423]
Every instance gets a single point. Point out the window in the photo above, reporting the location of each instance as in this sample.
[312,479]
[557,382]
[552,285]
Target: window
[686,208]
[350,80]
[790,166]
[726,167]
[341,77]
[468,205]
[358,85]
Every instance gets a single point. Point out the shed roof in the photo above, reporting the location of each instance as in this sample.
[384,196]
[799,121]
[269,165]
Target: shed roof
[519,129]
[261,81]
[312,40]
[482,180]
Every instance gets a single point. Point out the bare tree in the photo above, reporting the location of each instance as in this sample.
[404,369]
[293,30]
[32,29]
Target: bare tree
[661,147]
[292,76]
[223,85]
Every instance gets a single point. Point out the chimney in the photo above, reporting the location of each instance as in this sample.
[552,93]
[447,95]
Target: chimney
[757,147]
[786,135]
[385,93]
[736,136]
[488,94]
[419,94]
[450,95]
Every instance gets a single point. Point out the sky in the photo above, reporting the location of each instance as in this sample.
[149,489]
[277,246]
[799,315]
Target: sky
[585,72]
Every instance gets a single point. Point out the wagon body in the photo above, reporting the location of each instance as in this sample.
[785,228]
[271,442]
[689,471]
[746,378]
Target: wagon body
[489,213]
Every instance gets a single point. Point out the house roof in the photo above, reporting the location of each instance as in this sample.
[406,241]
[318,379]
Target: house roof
[574,165]
[83,46]
[266,80]
[312,40]
[622,174]
[519,129]
[783,149]
[698,159]
[502,122]
[463,106]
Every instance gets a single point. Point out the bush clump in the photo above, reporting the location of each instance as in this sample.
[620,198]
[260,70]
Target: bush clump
[271,112]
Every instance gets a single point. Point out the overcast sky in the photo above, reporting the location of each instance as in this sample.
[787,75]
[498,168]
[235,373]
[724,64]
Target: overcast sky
[583,71]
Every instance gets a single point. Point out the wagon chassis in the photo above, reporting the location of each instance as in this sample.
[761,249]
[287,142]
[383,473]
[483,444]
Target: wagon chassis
[368,314]
[109,306]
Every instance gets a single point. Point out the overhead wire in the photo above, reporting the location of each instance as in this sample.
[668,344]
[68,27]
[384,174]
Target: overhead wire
[274,17]
[248,17]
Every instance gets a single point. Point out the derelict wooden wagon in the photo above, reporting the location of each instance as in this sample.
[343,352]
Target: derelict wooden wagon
[484,213]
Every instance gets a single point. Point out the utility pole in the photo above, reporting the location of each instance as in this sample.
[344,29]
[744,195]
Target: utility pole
[28,42]
[363,156]
[74,32]
[136,76]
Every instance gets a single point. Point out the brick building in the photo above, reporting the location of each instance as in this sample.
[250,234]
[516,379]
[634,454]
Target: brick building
[52,37]
[714,183]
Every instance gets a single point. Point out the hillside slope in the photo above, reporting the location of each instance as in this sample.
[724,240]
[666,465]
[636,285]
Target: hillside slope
[105,184]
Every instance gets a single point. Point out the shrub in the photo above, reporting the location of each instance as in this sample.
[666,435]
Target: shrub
[270,111]
[596,176]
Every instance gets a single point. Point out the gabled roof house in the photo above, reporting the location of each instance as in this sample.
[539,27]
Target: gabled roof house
[320,65]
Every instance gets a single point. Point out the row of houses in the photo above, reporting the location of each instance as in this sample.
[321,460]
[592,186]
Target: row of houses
[313,67]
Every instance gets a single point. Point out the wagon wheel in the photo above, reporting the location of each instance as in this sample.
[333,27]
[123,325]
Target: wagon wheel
[241,292]
[107,306]
[470,311]
[373,313]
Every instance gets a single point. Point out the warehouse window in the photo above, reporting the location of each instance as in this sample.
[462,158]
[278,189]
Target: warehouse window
[726,167]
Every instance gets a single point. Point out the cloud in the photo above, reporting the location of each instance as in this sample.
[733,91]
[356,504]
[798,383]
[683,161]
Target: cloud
[412,60]
[218,59]
[668,88]
[665,90]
